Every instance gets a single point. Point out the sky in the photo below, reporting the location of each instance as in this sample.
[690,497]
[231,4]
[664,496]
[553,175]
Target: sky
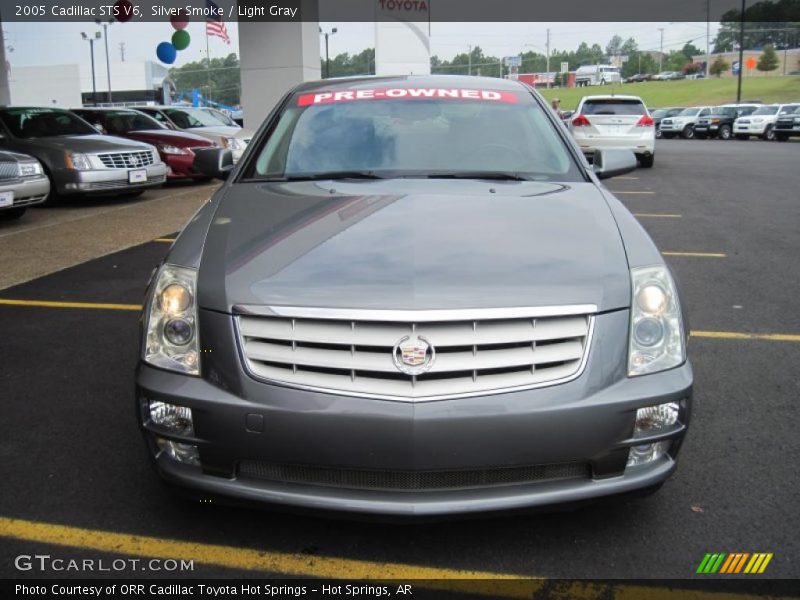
[61,43]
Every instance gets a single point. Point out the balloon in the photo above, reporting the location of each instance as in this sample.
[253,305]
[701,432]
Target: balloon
[166,53]
[181,39]
[123,10]
[178,21]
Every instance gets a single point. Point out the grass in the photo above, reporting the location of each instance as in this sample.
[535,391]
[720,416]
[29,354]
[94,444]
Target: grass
[690,92]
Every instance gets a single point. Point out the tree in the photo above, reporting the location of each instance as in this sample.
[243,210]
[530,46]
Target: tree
[629,47]
[768,61]
[218,79]
[343,65]
[719,66]
[689,50]
[675,61]
[614,46]
[766,22]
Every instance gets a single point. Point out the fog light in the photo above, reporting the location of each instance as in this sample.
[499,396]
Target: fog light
[639,455]
[182,453]
[171,417]
[653,419]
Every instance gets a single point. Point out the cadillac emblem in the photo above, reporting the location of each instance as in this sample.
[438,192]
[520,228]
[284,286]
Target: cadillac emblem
[413,356]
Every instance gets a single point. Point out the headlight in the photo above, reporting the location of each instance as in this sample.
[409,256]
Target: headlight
[656,333]
[77,162]
[233,143]
[168,149]
[29,169]
[171,325]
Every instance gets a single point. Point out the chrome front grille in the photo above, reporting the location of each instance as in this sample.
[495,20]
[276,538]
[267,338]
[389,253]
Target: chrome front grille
[8,170]
[127,160]
[362,352]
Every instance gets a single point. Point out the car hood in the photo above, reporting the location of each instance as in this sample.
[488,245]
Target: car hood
[413,244]
[88,143]
[181,139]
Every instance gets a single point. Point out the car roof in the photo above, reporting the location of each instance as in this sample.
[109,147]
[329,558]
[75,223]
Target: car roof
[465,81]
[612,97]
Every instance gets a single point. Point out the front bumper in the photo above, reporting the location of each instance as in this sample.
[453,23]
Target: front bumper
[28,191]
[181,166]
[673,127]
[107,181]
[750,128]
[587,421]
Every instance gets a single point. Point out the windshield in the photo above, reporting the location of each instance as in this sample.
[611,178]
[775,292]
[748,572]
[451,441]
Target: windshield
[724,111]
[189,118]
[397,133]
[787,110]
[44,122]
[671,112]
[118,122]
[689,112]
[218,114]
[613,106]
[658,113]
[766,110]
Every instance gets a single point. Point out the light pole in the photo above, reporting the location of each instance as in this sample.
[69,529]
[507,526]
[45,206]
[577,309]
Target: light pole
[469,61]
[547,68]
[661,51]
[741,56]
[708,38]
[327,58]
[108,65]
[91,40]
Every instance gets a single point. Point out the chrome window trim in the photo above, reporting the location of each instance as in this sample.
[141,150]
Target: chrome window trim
[501,312]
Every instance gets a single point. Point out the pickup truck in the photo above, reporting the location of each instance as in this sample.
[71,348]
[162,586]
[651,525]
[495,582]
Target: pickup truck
[720,122]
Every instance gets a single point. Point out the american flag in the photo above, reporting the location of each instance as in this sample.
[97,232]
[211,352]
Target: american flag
[215,26]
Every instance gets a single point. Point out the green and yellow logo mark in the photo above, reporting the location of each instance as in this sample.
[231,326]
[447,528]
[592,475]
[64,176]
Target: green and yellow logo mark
[734,563]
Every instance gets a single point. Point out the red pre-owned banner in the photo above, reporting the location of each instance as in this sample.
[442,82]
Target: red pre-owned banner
[406,94]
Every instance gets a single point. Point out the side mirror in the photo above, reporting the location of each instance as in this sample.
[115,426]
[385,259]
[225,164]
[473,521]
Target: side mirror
[610,162]
[213,162]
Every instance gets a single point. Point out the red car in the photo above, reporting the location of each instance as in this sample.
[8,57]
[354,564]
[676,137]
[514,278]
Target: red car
[175,147]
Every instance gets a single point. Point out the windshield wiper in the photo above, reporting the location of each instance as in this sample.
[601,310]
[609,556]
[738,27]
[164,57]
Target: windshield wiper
[326,175]
[498,175]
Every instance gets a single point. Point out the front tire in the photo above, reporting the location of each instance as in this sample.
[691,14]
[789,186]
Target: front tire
[725,132]
[688,132]
[646,162]
[769,133]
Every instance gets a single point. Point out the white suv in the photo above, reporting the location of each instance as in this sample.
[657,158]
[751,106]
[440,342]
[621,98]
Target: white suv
[615,122]
[761,122]
[683,123]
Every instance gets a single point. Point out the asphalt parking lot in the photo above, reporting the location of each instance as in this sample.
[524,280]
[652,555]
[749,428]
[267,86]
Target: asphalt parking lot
[725,213]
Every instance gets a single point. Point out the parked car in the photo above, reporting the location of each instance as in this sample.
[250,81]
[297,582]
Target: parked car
[361,364]
[614,122]
[77,159]
[760,122]
[661,113]
[683,123]
[669,76]
[201,122]
[176,148]
[639,77]
[719,124]
[597,75]
[221,116]
[22,184]
[788,123]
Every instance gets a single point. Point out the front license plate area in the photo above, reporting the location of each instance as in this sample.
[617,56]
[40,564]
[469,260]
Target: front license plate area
[137,176]
[6,199]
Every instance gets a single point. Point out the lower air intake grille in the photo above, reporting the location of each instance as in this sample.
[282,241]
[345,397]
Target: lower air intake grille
[410,480]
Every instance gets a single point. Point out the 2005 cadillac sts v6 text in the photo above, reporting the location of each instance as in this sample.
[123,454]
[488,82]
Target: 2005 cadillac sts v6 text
[413,297]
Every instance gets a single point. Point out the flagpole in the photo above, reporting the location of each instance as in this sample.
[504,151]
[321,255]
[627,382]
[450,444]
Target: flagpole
[208,66]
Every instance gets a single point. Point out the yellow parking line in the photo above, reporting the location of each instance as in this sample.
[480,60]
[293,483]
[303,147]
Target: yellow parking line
[165,240]
[658,215]
[697,254]
[736,335]
[616,192]
[54,304]
[301,565]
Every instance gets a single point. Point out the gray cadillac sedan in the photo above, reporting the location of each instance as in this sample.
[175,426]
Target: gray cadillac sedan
[413,296]
[76,157]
